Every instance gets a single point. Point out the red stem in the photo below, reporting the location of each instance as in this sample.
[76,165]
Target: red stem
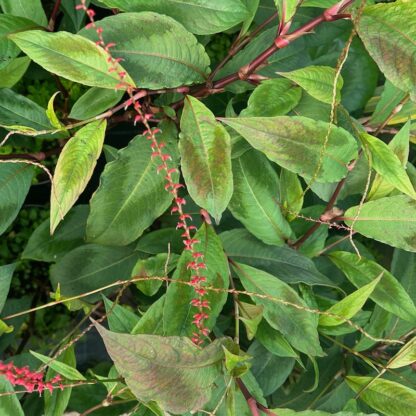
[55,11]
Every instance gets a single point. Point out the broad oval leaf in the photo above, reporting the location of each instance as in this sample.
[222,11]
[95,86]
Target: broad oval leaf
[387,164]
[274,97]
[391,220]
[131,194]
[297,325]
[93,102]
[156,50]
[74,169]
[205,148]
[349,306]
[178,311]
[15,109]
[285,263]
[317,81]
[255,199]
[70,56]
[388,397]
[157,368]
[15,181]
[297,144]
[90,267]
[388,31]
[198,16]
[389,293]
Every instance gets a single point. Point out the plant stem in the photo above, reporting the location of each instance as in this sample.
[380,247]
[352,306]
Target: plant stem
[253,404]
[52,19]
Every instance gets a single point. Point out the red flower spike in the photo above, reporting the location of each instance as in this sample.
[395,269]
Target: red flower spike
[171,187]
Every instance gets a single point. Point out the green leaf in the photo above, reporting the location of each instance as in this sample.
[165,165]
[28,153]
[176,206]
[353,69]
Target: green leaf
[399,145]
[8,25]
[318,81]
[269,370]
[4,328]
[158,241]
[152,321]
[74,169]
[288,7]
[15,109]
[252,7]
[6,274]
[388,31]
[198,16]
[30,9]
[297,325]
[156,368]
[15,181]
[57,401]
[350,305]
[93,102]
[71,56]
[388,397]
[387,164]
[251,316]
[286,264]
[90,267]
[291,194]
[205,148]
[178,311]
[296,143]
[391,220]
[157,266]
[389,293]
[254,202]
[51,114]
[42,246]
[274,97]
[131,194]
[406,356]
[12,71]
[9,404]
[120,319]
[156,50]
[274,341]
[61,368]
[389,100]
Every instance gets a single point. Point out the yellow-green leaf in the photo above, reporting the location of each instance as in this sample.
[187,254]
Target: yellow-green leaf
[349,306]
[388,397]
[391,220]
[384,161]
[399,145]
[74,169]
[300,144]
[318,81]
[71,56]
